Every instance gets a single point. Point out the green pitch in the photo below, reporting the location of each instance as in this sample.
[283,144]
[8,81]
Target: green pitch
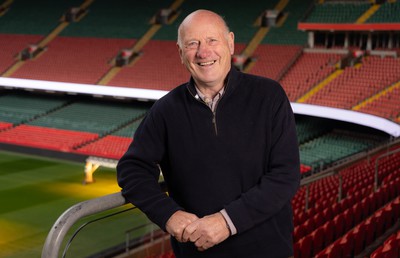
[34,192]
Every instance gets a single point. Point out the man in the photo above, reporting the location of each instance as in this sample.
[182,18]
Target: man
[226,145]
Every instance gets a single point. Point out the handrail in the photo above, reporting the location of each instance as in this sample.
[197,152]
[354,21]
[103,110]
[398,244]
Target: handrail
[377,165]
[60,228]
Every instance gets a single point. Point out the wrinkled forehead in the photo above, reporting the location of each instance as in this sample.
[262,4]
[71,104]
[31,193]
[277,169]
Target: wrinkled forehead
[203,23]
[201,27]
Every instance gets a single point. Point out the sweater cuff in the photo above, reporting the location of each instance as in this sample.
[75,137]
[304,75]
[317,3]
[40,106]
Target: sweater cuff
[229,222]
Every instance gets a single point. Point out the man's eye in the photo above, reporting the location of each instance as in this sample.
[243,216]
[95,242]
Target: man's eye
[212,41]
[192,44]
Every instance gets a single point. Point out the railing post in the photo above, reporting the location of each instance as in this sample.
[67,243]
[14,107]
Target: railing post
[61,227]
[307,196]
[340,190]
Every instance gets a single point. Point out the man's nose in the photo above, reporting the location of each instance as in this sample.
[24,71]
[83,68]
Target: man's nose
[203,51]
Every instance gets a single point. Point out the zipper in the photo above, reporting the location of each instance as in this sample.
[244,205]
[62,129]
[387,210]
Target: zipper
[214,113]
[214,119]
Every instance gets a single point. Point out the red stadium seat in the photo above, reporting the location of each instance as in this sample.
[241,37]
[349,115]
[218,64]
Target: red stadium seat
[305,247]
[329,233]
[317,240]
[358,236]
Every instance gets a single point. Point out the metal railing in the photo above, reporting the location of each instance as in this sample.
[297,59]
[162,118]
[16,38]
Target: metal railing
[60,228]
[63,224]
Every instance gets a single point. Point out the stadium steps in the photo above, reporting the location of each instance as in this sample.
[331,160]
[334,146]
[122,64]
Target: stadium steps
[377,96]
[287,33]
[320,86]
[5,6]
[357,83]
[138,46]
[388,13]
[337,12]
[373,9]
[262,32]
[42,44]
[308,70]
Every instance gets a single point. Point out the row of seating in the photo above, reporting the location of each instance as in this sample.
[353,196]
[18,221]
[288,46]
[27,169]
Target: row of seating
[273,60]
[327,232]
[390,248]
[387,13]
[358,83]
[365,233]
[112,147]
[18,108]
[357,182]
[309,70]
[99,118]
[11,45]
[287,33]
[337,12]
[331,147]
[46,138]
[385,106]
[357,205]
[75,60]
[5,125]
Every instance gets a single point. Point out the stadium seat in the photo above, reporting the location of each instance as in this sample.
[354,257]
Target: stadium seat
[305,246]
[329,234]
[317,240]
[358,236]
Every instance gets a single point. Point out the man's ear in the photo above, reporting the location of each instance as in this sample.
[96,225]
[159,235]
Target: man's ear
[180,52]
[231,42]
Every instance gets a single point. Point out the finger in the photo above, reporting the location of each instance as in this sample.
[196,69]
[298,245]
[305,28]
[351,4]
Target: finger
[200,242]
[195,236]
[206,246]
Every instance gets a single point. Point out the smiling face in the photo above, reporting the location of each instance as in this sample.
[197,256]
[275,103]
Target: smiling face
[205,47]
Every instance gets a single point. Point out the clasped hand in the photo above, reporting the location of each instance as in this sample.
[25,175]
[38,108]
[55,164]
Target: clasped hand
[203,232]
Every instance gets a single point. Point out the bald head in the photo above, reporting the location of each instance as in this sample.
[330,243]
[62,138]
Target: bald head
[201,15]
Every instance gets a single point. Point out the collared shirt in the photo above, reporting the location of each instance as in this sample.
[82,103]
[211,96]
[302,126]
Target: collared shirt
[211,103]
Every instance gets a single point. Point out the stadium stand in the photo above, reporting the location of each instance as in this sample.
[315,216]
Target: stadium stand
[45,137]
[72,59]
[308,70]
[357,83]
[116,19]
[273,60]
[351,212]
[337,12]
[21,108]
[96,118]
[160,54]
[388,12]
[384,104]
[34,17]
[286,34]
[11,45]
[361,207]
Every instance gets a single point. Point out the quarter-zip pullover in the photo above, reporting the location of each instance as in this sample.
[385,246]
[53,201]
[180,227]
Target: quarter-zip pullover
[250,168]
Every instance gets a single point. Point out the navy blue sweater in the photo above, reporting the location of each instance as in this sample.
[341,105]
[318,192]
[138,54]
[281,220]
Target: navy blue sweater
[244,158]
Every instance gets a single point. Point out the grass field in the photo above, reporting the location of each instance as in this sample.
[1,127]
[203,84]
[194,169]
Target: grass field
[35,191]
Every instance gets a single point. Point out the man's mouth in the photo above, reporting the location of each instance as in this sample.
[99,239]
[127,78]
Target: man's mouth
[207,63]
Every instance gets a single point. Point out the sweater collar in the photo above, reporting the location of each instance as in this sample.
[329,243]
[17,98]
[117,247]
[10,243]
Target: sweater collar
[231,82]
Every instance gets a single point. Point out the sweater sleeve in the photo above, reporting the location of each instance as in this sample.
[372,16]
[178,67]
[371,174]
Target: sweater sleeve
[138,172]
[281,177]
